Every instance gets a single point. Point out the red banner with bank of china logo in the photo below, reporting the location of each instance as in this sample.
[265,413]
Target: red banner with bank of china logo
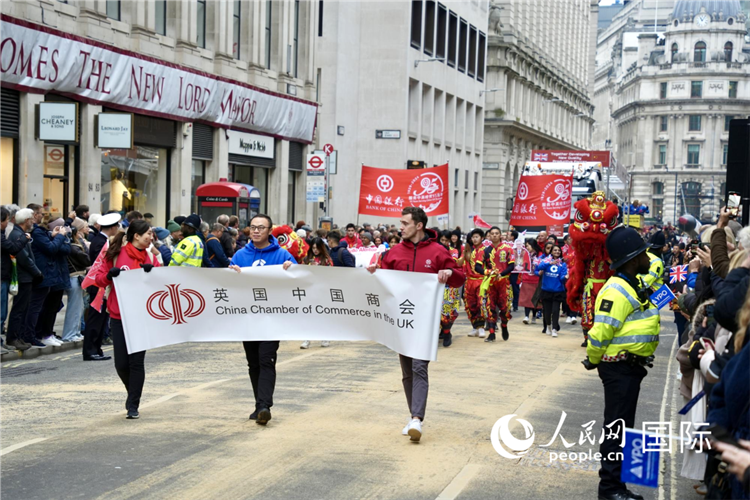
[542,200]
[385,192]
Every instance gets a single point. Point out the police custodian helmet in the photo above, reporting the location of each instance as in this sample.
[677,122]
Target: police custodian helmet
[624,244]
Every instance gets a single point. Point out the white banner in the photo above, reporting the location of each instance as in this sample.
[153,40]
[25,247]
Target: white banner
[173,305]
[40,59]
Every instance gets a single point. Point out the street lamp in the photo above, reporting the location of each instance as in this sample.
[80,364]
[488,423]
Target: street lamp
[488,91]
[416,63]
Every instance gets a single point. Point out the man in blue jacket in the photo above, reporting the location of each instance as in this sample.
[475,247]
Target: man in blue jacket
[261,250]
[214,247]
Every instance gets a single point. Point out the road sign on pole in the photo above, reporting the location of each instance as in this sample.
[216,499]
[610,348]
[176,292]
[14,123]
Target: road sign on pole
[328,149]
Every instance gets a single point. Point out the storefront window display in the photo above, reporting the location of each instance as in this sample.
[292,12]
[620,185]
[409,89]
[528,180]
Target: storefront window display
[135,179]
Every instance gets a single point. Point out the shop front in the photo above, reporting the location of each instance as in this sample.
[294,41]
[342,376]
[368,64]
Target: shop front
[251,161]
[138,178]
[9,116]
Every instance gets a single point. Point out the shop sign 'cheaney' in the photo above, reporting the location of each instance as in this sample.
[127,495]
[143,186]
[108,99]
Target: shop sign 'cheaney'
[35,58]
[172,305]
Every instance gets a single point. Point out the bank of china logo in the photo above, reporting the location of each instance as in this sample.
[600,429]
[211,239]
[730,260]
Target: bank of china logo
[553,269]
[501,436]
[259,262]
[384,183]
[523,191]
[175,304]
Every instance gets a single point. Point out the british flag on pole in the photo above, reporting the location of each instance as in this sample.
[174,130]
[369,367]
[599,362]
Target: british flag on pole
[678,274]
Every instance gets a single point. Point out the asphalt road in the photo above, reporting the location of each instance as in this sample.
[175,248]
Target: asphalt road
[335,432]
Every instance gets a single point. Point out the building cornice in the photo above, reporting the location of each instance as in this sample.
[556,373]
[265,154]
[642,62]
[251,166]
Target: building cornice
[705,104]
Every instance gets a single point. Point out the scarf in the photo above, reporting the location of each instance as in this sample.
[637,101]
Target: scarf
[139,256]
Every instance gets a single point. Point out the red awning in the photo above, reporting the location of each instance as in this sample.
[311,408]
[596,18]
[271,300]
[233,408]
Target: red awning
[223,189]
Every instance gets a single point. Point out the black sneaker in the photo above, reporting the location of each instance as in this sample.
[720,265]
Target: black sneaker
[585,342]
[264,415]
[254,415]
[133,415]
[447,340]
[505,333]
[441,336]
[490,338]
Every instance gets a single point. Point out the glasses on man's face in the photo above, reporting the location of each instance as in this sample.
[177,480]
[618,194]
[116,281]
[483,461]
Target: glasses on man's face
[258,228]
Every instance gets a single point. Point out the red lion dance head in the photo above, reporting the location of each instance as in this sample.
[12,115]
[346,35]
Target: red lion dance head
[291,241]
[595,218]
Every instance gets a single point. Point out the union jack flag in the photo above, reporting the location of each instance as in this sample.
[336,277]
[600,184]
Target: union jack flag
[678,274]
[541,157]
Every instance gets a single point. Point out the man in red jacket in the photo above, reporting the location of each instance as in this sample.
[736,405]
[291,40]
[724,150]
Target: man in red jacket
[420,252]
[352,238]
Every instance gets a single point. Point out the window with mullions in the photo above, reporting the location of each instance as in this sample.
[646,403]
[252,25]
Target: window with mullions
[201,22]
[416,24]
[724,153]
[696,89]
[674,51]
[699,54]
[732,90]
[728,48]
[452,39]
[463,35]
[694,124]
[690,199]
[429,27]
[663,123]
[662,155]
[694,155]
[663,90]
[236,30]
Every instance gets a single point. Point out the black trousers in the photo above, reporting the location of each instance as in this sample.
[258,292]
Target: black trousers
[45,325]
[551,308]
[17,316]
[261,363]
[130,367]
[36,304]
[622,384]
[96,323]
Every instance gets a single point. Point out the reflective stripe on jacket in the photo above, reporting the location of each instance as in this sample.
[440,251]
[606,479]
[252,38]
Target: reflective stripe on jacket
[188,252]
[622,323]
[655,272]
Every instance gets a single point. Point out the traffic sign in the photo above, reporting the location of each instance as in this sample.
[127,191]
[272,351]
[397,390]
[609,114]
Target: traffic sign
[328,149]
[316,164]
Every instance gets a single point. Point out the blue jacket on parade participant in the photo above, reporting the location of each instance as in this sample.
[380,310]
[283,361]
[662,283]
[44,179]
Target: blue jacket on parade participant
[554,275]
[272,255]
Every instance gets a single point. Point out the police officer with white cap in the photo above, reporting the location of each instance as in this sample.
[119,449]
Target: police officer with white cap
[621,344]
[97,321]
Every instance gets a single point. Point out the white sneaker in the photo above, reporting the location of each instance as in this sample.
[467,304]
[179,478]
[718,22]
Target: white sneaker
[482,333]
[51,340]
[325,343]
[79,338]
[533,320]
[415,429]
[305,344]
[548,330]
[405,430]
[526,320]
[575,320]
[473,333]
[554,332]
[569,320]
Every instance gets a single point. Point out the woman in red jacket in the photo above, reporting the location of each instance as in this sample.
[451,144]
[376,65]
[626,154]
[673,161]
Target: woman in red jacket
[127,251]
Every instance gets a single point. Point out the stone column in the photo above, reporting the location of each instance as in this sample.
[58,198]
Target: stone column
[90,158]
[30,153]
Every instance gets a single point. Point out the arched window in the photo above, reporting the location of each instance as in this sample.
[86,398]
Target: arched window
[674,51]
[690,199]
[728,51]
[699,55]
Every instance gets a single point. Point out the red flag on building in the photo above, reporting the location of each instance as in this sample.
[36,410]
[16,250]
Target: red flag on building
[542,200]
[479,222]
[385,191]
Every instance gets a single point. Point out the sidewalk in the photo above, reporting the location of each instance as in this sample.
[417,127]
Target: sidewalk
[35,352]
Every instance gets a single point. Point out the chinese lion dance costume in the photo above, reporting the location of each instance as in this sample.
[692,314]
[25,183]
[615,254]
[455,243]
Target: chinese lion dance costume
[290,241]
[595,218]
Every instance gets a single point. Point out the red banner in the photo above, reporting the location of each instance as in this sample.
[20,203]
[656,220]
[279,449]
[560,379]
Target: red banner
[542,200]
[545,155]
[386,192]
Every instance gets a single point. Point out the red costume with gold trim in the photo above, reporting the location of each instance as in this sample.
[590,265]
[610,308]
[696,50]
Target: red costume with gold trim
[472,301]
[496,291]
[595,217]
[289,240]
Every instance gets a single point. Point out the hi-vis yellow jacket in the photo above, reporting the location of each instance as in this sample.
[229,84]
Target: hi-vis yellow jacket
[188,252]
[622,323]
[655,272]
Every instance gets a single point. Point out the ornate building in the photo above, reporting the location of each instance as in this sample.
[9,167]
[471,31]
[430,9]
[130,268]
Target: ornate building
[539,71]
[672,102]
